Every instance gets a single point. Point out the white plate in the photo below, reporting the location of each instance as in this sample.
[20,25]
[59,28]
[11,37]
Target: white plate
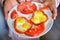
[47,27]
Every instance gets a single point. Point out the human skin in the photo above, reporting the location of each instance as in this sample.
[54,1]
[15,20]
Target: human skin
[7,6]
[10,3]
[52,6]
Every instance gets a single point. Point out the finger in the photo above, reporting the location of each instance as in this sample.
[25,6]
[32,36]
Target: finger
[5,13]
[20,1]
[54,14]
[7,6]
[54,11]
[27,0]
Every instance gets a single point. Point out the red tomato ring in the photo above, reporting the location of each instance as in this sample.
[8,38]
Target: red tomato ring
[14,14]
[26,7]
[36,31]
[18,31]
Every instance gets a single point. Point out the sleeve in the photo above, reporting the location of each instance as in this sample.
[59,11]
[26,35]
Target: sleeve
[57,2]
[1,2]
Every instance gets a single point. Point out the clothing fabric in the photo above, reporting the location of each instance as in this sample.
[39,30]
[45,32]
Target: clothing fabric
[57,2]
[3,26]
[16,37]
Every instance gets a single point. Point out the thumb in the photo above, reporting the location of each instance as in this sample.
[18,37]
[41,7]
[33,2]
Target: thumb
[6,17]
[5,14]
[54,13]
[52,6]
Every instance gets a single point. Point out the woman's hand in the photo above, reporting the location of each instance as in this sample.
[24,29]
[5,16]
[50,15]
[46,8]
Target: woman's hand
[52,6]
[50,3]
[7,6]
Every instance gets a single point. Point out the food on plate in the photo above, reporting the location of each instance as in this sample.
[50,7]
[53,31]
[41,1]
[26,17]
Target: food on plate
[33,26]
[21,25]
[39,17]
[44,8]
[14,15]
[26,7]
[35,30]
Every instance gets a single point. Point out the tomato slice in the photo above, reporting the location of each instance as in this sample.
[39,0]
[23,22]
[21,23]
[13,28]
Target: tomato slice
[38,29]
[26,7]
[21,25]
[14,15]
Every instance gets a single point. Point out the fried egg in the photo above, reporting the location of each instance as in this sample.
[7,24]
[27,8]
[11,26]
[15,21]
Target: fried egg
[39,17]
[22,24]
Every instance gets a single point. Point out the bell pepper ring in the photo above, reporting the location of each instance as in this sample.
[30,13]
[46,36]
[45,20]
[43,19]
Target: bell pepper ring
[39,17]
[21,25]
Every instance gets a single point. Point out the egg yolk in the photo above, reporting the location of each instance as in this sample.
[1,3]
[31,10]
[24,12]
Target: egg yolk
[22,24]
[43,18]
[38,14]
[25,25]
[20,20]
[35,20]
